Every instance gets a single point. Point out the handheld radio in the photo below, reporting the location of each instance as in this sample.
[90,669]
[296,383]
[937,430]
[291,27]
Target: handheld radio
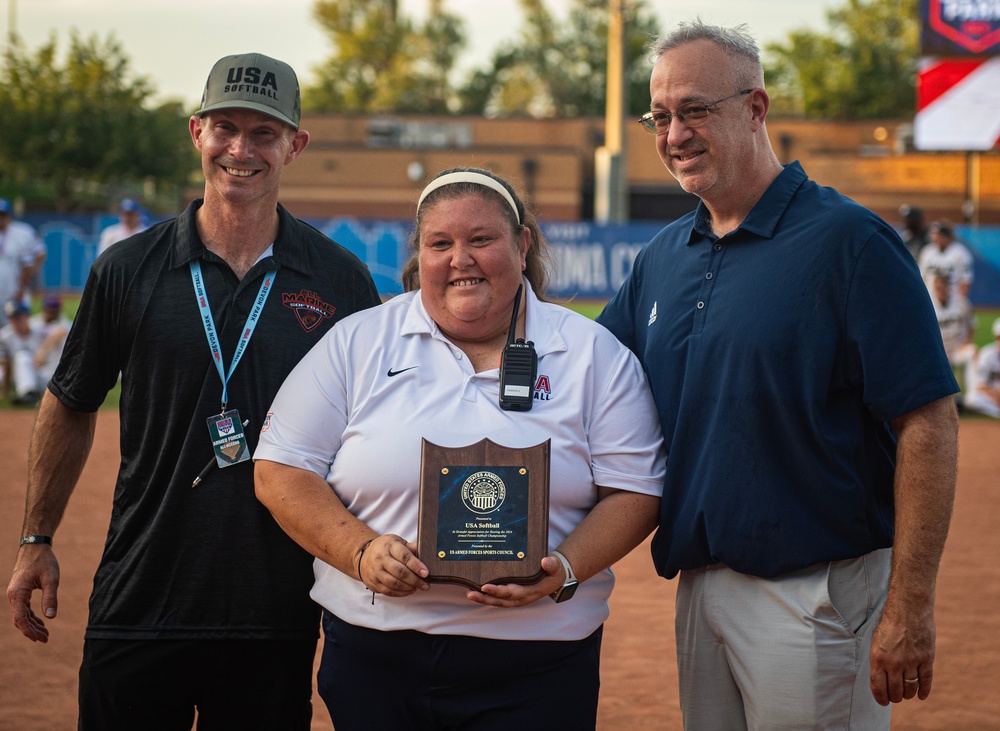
[518,367]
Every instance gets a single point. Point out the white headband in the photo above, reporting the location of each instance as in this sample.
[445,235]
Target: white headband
[469,177]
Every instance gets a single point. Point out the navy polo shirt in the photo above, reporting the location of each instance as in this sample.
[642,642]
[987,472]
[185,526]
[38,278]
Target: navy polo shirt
[777,356]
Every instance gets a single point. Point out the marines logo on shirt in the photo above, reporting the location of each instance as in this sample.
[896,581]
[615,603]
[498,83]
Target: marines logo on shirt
[309,308]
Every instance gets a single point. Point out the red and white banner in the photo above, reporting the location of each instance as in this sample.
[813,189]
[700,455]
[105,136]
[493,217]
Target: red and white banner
[958,104]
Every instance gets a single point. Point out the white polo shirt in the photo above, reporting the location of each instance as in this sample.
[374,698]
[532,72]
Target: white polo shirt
[343,416]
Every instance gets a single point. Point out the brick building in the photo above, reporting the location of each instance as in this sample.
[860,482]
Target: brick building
[375,167]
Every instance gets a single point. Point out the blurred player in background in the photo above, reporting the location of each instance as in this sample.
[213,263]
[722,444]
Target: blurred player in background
[22,254]
[914,231]
[19,343]
[129,224]
[986,396]
[54,325]
[944,255]
[958,327]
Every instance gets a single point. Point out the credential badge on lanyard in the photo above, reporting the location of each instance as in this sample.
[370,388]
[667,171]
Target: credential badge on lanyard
[229,442]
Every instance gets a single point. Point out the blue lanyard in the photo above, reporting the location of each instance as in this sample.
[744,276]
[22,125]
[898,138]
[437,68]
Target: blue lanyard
[209,322]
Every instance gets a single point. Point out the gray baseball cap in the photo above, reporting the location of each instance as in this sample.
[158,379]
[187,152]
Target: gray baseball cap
[253,81]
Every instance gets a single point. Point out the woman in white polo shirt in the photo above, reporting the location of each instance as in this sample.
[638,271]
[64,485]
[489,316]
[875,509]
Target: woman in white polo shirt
[338,465]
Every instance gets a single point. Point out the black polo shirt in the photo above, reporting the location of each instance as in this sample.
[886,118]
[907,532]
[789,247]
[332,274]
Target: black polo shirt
[206,562]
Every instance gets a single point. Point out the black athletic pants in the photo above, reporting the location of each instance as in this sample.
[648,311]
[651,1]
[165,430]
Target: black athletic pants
[157,685]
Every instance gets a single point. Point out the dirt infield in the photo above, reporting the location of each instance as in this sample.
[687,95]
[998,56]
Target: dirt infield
[639,689]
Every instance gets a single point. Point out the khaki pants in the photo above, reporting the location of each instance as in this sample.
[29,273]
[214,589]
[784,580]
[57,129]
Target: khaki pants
[783,653]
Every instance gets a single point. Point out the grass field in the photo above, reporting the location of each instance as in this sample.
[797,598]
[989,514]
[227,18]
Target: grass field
[590,308]
[984,324]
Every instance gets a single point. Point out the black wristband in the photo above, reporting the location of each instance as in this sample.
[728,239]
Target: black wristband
[36,539]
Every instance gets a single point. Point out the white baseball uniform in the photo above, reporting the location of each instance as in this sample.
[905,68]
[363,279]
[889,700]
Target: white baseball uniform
[954,262]
[61,324]
[19,245]
[18,352]
[114,233]
[988,375]
[958,323]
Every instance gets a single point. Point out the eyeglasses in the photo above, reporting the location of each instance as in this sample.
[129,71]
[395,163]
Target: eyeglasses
[692,114]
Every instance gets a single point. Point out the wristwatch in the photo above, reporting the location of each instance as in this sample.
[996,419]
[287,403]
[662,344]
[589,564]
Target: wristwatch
[26,540]
[568,589]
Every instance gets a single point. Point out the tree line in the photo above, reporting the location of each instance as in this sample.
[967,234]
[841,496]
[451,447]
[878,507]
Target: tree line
[80,127]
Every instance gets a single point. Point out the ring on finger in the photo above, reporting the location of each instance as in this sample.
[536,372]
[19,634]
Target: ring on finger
[911,680]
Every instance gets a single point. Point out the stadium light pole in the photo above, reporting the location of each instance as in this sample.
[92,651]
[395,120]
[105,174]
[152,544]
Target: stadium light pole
[610,198]
[11,22]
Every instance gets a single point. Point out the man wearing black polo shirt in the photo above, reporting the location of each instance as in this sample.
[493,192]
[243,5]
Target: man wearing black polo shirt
[806,401]
[200,600]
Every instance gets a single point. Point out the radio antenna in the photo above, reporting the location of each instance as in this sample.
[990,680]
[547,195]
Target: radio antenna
[513,317]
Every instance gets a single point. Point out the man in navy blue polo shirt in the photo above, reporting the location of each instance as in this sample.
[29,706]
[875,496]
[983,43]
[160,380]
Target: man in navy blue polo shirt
[807,403]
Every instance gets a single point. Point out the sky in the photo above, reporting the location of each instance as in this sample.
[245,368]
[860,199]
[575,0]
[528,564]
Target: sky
[174,43]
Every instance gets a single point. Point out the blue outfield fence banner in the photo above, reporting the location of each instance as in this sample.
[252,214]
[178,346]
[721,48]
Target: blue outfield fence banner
[592,260]
[985,245]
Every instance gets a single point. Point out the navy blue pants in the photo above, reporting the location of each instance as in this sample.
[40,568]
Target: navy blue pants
[407,680]
[156,685]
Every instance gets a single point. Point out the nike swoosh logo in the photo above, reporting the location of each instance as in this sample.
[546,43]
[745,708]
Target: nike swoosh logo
[392,373]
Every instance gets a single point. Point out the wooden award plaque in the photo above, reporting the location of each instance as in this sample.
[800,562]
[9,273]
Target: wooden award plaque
[484,513]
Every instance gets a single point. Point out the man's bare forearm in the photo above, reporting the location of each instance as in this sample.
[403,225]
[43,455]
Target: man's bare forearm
[927,464]
[60,444]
